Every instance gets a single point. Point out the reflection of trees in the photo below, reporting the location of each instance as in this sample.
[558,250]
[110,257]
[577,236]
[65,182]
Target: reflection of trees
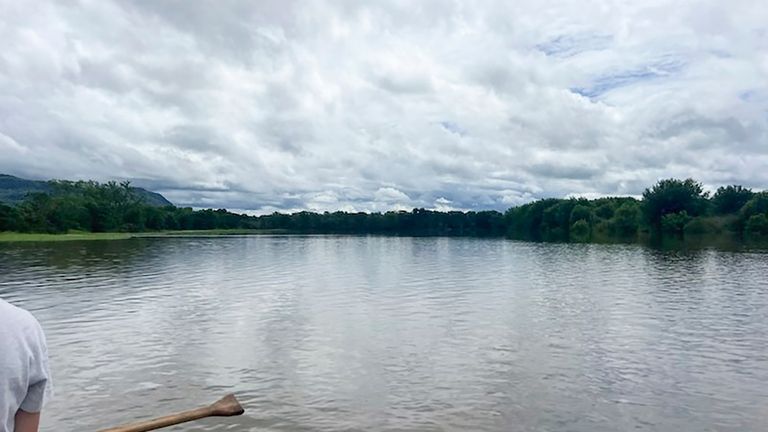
[85,255]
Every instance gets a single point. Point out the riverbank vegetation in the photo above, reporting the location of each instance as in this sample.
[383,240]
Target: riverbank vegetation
[74,235]
[10,236]
[670,208]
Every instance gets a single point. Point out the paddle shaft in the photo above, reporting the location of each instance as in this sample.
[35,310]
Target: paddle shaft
[225,407]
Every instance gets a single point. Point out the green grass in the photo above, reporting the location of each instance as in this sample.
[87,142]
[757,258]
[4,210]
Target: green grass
[81,235]
[36,237]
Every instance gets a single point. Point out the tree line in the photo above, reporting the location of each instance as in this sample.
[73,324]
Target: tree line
[671,207]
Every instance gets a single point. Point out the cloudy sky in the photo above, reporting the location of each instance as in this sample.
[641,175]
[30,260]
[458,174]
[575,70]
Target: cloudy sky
[284,105]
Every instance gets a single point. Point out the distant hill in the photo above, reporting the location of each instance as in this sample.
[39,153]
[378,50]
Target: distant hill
[13,190]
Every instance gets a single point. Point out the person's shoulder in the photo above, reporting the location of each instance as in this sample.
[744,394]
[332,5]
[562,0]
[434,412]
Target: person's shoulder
[17,317]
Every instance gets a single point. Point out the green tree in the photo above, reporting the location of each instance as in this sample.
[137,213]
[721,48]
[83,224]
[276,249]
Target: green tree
[555,223]
[673,196]
[525,222]
[757,226]
[68,213]
[674,223]
[581,212]
[605,211]
[626,219]
[730,199]
[10,219]
[755,206]
[580,231]
[34,212]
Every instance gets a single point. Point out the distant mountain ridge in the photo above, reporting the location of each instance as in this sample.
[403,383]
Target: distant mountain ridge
[13,190]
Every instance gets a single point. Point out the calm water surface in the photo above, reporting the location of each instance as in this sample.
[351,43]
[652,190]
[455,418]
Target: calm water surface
[371,333]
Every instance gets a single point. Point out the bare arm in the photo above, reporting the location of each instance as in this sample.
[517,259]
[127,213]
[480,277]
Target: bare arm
[27,418]
[27,422]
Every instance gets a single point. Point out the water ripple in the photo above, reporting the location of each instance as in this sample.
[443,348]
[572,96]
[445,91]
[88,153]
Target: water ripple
[370,333]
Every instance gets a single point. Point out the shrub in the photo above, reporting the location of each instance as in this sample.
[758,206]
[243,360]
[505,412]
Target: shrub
[580,230]
[757,226]
[626,220]
[674,223]
[703,225]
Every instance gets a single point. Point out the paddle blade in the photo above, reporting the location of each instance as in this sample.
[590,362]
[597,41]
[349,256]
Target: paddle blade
[227,406]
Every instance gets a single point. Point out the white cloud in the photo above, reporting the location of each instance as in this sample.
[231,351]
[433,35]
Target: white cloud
[362,106]
[389,194]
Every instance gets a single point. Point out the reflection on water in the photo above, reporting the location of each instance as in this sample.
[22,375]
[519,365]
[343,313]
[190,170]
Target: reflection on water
[371,333]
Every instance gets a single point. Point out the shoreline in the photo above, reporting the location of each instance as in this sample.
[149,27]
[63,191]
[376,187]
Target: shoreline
[14,237]
[727,242]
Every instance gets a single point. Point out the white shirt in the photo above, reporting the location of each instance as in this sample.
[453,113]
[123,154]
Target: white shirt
[24,373]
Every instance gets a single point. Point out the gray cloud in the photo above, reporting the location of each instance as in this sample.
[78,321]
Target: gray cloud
[290,105]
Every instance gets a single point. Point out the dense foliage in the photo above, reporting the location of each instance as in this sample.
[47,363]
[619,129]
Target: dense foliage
[670,208]
[96,207]
[669,203]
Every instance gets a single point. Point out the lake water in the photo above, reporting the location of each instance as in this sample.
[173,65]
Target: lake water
[374,333]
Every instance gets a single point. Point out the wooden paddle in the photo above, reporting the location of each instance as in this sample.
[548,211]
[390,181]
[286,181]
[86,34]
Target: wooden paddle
[224,407]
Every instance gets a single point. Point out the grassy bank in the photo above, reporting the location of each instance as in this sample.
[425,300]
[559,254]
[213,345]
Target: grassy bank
[37,237]
[88,236]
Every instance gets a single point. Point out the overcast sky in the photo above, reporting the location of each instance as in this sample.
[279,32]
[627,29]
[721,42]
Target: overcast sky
[285,105]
